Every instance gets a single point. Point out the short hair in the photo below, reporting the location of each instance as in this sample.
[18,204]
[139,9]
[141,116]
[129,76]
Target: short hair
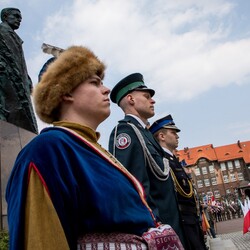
[7,11]
[156,134]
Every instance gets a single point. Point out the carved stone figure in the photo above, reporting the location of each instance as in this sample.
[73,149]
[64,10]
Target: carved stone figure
[15,83]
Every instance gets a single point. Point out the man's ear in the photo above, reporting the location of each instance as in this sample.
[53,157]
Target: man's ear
[67,97]
[130,99]
[5,17]
[161,136]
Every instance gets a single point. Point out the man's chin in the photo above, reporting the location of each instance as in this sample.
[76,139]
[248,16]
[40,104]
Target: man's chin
[152,113]
[106,115]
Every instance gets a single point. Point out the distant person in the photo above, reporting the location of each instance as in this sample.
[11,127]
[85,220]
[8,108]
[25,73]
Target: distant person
[61,192]
[15,83]
[211,219]
[247,193]
[245,205]
[135,147]
[166,133]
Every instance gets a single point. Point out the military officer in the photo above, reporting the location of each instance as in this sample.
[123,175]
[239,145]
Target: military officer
[136,148]
[166,133]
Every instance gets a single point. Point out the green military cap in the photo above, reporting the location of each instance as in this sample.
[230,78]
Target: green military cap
[128,84]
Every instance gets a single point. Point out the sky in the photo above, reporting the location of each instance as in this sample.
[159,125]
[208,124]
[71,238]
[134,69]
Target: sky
[194,53]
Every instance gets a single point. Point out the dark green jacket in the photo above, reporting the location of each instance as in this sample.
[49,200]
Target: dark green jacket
[161,195]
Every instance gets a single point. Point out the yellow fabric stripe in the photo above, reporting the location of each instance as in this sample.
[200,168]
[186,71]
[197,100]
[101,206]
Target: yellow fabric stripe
[43,229]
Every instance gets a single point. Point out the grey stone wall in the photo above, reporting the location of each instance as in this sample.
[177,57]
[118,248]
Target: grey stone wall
[12,140]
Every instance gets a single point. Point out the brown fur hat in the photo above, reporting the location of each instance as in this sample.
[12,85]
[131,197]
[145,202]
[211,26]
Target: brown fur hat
[72,67]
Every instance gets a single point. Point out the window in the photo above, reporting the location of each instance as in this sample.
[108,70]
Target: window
[240,176]
[232,177]
[230,165]
[204,170]
[207,182]
[216,193]
[237,163]
[228,191]
[225,178]
[211,169]
[209,194]
[202,160]
[214,181]
[223,166]
[197,171]
[199,183]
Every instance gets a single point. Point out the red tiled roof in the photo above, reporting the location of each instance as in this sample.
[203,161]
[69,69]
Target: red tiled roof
[220,154]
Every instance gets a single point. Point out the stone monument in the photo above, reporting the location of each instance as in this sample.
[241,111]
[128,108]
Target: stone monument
[15,83]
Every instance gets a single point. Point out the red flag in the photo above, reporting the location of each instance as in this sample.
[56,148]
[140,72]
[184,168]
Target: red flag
[246,226]
[246,211]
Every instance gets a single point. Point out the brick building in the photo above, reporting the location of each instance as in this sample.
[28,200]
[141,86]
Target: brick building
[220,170]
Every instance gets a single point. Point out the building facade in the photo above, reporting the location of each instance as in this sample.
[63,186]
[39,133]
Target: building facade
[218,171]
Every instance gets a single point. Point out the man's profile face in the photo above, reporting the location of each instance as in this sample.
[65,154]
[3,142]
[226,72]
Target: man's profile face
[170,138]
[14,19]
[143,103]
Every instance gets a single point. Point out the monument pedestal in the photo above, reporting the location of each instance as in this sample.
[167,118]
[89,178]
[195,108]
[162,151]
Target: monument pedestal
[12,140]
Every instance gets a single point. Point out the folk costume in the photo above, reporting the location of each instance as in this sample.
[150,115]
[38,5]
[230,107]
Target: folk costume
[144,161]
[57,189]
[188,204]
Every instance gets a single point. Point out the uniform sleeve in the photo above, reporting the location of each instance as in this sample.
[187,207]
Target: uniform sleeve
[128,150]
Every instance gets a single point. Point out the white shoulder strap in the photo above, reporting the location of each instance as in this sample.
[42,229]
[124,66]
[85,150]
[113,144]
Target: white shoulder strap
[155,169]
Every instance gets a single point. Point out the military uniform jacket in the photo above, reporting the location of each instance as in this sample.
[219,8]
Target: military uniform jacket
[187,205]
[160,195]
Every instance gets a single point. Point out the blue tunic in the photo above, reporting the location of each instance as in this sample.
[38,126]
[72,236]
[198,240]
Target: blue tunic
[87,190]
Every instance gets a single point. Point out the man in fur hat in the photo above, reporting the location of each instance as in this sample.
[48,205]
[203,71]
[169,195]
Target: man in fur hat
[62,184]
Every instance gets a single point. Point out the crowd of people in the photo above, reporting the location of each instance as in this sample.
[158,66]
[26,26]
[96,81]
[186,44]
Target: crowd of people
[225,210]
[217,211]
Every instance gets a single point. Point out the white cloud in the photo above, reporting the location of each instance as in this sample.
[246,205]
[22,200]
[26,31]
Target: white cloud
[183,48]
[179,46]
